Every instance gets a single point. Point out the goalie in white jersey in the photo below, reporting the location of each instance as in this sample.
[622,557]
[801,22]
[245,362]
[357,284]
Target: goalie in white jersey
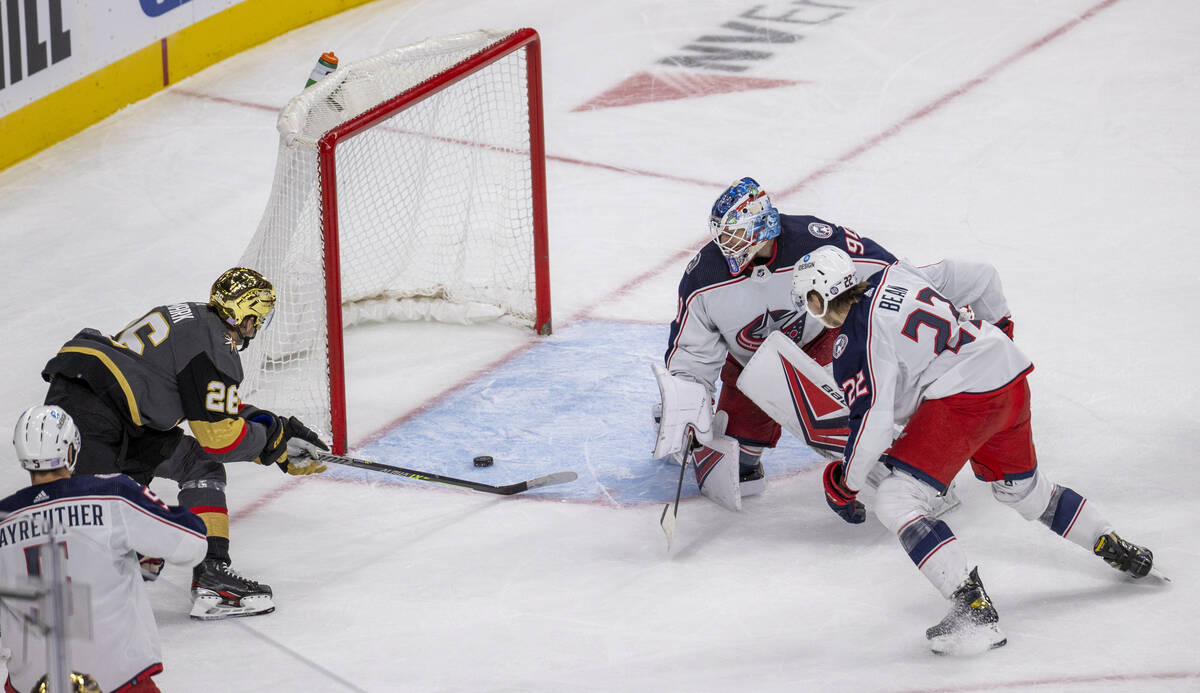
[905,356]
[101,523]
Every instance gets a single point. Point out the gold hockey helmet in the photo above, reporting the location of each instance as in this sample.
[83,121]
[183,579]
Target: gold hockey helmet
[240,293]
[80,683]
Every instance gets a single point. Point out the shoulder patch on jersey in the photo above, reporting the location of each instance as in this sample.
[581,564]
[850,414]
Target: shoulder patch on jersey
[692,265]
[820,230]
[839,345]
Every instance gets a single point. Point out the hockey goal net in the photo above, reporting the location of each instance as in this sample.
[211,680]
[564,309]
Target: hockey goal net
[410,185]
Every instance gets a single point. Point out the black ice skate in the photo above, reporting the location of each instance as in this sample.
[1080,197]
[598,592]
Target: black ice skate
[972,626]
[219,592]
[752,480]
[1122,555]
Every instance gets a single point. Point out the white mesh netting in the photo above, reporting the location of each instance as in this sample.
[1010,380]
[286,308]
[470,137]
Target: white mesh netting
[434,211]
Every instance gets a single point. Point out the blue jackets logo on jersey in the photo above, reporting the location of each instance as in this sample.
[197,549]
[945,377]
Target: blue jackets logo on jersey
[820,230]
[839,345]
[788,322]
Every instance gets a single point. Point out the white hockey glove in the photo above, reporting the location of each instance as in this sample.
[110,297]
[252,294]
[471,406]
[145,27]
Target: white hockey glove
[686,406]
[302,457]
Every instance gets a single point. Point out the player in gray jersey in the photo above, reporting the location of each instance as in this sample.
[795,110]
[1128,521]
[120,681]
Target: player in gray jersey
[179,362]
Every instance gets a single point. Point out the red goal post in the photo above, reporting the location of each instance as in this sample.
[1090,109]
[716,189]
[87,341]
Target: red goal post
[410,185]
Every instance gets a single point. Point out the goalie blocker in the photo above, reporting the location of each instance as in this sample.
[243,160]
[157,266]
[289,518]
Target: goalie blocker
[802,397]
[799,394]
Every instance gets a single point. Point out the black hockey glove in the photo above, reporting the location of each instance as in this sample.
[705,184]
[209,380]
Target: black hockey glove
[840,498]
[274,451]
[287,438]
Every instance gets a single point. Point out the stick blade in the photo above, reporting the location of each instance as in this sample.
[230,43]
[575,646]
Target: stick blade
[668,525]
[551,479]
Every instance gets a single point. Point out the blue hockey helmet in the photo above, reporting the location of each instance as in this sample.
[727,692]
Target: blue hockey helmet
[742,220]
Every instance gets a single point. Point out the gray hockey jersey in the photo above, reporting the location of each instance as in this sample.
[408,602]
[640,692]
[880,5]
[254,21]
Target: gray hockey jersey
[175,363]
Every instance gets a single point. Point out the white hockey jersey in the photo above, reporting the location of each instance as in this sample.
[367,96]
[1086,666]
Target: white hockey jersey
[905,342]
[107,519]
[720,315]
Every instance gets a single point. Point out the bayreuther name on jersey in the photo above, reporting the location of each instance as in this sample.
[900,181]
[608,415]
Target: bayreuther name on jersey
[35,524]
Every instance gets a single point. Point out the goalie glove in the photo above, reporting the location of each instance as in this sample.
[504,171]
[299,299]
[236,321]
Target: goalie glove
[840,498]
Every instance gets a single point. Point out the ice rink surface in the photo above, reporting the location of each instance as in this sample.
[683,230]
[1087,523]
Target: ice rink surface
[1056,140]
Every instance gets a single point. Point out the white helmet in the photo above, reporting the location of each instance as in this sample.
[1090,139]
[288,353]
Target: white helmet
[741,221]
[46,438]
[829,271]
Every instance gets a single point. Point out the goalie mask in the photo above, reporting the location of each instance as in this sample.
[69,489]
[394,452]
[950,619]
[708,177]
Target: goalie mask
[829,271]
[46,438]
[242,293]
[742,220]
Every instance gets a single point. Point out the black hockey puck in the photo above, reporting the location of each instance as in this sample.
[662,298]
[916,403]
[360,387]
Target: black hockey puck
[483,461]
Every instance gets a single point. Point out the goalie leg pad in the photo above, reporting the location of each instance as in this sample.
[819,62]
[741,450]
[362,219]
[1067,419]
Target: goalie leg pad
[716,467]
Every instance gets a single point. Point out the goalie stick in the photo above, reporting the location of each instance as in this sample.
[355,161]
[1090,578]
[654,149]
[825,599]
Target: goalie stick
[667,521]
[506,490]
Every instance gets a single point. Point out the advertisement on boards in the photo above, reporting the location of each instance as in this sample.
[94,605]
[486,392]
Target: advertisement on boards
[47,44]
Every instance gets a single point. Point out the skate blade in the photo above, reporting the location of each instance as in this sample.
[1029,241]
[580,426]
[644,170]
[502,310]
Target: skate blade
[973,642]
[213,608]
[1156,574]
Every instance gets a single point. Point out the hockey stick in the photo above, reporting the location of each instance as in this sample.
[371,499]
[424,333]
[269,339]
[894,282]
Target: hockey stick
[667,521]
[507,490]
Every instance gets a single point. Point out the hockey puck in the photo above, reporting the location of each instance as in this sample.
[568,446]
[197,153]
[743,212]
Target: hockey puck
[483,461]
